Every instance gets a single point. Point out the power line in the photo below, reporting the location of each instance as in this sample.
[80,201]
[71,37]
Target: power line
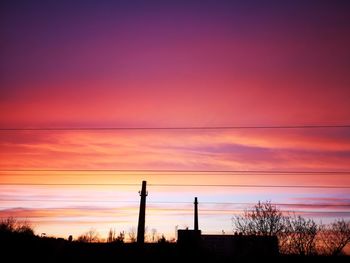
[171,202]
[325,126]
[181,185]
[177,171]
[251,185]
[215,210]
[51,175]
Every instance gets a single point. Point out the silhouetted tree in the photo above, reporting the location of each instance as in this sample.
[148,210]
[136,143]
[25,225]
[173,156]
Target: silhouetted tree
[12,225]
[89,237]
[24,228]
[147,235]
[334,237]
[83,238]
[298,236]
[162,239]
[8,225]
[111,236]
[154,234]
[120,238]
[132,235]
[263,219]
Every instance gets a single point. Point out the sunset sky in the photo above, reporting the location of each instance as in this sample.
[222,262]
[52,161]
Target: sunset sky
[67,65]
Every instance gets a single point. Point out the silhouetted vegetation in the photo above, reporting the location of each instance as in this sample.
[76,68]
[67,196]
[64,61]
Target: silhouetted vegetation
[132,235]
[264,219]
[334,237]
[90,236]
[296,235]
[162,239]
[13,226]
[113,238]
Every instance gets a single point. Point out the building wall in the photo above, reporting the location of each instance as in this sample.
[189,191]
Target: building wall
[239,245]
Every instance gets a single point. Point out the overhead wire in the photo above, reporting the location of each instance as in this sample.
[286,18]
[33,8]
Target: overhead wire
[204,127]
[179,171]
[182,185]
[170,202]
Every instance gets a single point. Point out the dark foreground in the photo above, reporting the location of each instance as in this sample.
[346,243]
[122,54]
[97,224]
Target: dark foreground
[35,249]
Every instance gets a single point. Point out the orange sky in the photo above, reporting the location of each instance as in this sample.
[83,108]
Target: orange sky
[113,205]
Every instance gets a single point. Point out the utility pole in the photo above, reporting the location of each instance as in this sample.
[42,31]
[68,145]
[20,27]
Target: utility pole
[142,215]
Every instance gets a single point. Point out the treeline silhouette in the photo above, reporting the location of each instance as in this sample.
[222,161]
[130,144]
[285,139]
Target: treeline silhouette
[299,239]
[296,235]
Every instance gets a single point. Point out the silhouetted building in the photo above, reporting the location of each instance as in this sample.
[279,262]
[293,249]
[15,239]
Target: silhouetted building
[190,238]
[226,245]
[241,245]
